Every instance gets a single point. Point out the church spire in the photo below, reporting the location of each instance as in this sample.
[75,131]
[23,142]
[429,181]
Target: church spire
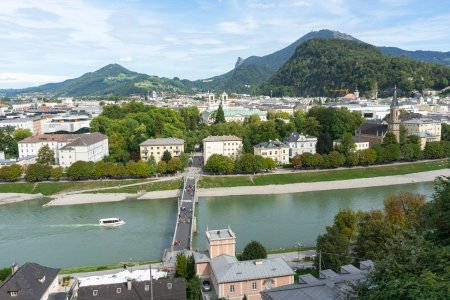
[394,102]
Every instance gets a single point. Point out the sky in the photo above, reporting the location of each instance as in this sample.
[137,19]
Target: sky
[45,41]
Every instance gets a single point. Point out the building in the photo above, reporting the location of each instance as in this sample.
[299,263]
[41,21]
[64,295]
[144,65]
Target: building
[373,132]
[68,148]
[227,145]
[236,114]
[161,289]
[66,124]
[232,279]
[299,144]
[276,150]
[157,147]
[394,122]
[329,285]
[30,281]
[360,144]
[427,130]
[19,123]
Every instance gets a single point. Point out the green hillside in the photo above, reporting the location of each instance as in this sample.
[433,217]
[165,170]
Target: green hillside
[321,65]
[111,80]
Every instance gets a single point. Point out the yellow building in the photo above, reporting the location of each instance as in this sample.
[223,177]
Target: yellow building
[427,129]
[157,147]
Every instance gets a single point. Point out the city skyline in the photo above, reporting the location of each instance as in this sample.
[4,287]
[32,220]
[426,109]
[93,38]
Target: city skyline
[50,41]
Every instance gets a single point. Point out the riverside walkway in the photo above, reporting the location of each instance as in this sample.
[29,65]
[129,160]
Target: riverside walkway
[182,238]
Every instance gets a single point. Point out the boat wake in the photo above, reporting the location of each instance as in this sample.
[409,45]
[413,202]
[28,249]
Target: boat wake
[73,225]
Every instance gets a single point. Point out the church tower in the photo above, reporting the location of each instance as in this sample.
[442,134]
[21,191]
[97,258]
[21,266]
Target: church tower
[394,124]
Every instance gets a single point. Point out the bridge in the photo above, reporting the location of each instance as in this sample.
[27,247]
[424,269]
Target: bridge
[186,221]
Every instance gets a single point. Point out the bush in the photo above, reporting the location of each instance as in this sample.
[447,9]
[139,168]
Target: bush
[352,159]
[80,169]
[218,163]
[11,173]
[392,152]
[433,150]
[36,172]
[57,172]
[254,250]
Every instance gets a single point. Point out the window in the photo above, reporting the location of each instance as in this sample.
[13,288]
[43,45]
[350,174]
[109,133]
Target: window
[118,290]
[254,285]
[94,292]
[269,284]
[232,288]
[13,293]
[169,285]
[147,287]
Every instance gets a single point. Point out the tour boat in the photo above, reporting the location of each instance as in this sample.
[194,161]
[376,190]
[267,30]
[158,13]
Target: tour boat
[111,222]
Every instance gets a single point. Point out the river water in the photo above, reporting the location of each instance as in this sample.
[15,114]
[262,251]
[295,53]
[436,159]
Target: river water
[67,236]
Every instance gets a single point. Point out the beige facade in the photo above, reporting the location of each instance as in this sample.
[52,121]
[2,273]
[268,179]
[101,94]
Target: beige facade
[157,147]
[225,145]
[417,126]
[276,150]
[220,242]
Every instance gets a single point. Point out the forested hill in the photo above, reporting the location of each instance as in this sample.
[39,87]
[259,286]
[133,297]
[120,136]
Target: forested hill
[321,65]
[248,74]
[442,58]
[111,80]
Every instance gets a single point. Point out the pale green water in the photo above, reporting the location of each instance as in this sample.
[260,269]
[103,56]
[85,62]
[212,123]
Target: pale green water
[68,236]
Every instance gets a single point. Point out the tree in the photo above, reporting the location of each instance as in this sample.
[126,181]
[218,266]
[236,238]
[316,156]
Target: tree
[404,209]
[445,132]
[184,160]
[194,289]
[260,163]
[381,158]
[8,145]
[190,267]
[166,156]
[152,164]
[22,133]
[367,156]
[36,172]
[162,167]
[413,139]
[373,234]
[119,171]
[220,115]
[347,144]
[352,159]
[218,163]
[437,212]
[4,273]
[80,169]
[411,152]
[297,161]
[347,222]
[324,143]
[403,134]
[269,164]
[174,165]
[334,248]
[433,150]
[11,173]
[392,152]
[46,156]
[254,250]
[57,173]
[307,160]
[181,265]
[246,163]
[335,159]
[389,139]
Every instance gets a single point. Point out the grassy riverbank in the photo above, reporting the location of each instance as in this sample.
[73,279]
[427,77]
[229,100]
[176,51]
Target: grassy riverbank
[103,267]
[325,175]
[174,184]
[50,188]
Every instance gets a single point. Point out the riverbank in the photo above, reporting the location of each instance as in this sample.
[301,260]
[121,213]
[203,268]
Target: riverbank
[7,198]
[258,190]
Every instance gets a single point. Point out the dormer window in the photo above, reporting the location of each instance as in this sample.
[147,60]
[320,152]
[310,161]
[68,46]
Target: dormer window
[118,290]
[94,292]
[42,279]
[147,287]
[13,293]
[169,286]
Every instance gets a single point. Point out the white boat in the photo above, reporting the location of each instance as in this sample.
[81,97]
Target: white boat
[111,222]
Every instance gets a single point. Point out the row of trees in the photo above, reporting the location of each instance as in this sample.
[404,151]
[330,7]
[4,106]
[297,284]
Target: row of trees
[247,162]
[408,240]
[185,268]
[389,151]
[91,170]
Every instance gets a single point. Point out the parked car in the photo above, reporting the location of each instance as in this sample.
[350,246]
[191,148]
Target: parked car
[206,286]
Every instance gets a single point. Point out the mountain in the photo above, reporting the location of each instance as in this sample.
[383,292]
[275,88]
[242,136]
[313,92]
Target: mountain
[321,65]
[442,58]
[111,80]
[248,74]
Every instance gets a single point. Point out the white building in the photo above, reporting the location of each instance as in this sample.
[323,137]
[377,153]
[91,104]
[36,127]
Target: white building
[428,130]
[360,144]
[67,124]
[68,148]
[19,123]
[237,114]
[276,150]
[157,147]
[225,145]
[299,144]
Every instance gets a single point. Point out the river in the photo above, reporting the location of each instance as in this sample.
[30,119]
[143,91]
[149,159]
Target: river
[67,236]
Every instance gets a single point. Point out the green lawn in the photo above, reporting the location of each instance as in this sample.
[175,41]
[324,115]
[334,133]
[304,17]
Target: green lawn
[103,267]
[288,250]
[174,184]
[50,188]
[326,175]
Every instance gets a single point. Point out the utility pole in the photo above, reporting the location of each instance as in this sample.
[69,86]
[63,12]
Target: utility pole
[320,262]
[151,283]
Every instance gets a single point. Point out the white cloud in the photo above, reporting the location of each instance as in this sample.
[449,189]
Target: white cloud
[126,59]
[240,27]
[28,79]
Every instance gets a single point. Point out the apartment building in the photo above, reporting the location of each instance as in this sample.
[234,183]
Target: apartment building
[427,130]
[157,147]
[276,150]
[299,143]
[227,145]
[360,144]
[68,148]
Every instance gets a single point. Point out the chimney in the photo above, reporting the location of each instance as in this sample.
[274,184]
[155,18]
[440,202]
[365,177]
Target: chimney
[129,284]
[14,268]
[329,281]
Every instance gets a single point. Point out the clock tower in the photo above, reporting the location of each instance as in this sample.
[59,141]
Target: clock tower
[394,123]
